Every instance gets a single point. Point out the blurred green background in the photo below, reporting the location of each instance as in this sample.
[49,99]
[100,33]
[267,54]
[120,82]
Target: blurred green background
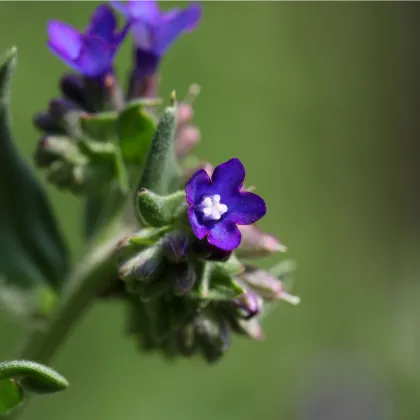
[321,102]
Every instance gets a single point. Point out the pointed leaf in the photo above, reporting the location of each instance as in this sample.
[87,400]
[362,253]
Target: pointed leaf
[100,126]
[155,210]
[33,376]
[29,234]
[161,167]
[10,396]
[135,129]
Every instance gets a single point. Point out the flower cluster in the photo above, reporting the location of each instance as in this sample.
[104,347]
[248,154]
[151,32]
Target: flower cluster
[183,269]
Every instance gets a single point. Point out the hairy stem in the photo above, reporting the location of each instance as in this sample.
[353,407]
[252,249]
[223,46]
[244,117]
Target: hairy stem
[84,283]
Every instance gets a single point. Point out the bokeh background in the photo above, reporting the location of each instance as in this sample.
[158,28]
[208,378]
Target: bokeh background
[321,102]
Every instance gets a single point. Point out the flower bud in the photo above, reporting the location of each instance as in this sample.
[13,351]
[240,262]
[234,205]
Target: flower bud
[72,86]
[185,114]
[214,337]
[256,243]
[45,122]
[142,267]
[53,147]
[250,303]
[252,328]
[266,285]
[59,107]
[185,277]
[175,247]
[186,139]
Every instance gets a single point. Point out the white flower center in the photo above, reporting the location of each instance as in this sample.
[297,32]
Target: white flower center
[212,208]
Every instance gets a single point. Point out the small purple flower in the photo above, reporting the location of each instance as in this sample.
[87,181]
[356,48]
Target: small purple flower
[90,53]
[154,31]
[218,205]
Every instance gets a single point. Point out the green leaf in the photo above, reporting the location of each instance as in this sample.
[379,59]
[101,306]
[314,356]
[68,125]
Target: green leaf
[33,376]
[231,267]
[10,395]
[147,236]
[100,126]
[29,234]
[155,210]
[216,284]
[161,167]
[135,128]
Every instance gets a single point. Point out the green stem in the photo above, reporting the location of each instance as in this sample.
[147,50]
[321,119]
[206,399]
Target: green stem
[83,286]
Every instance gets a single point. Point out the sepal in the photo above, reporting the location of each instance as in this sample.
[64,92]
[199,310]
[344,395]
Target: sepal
[157,211]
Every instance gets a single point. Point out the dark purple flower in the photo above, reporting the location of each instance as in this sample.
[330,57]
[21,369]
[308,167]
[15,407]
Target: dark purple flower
[90,53]
[218,204]
[154,31]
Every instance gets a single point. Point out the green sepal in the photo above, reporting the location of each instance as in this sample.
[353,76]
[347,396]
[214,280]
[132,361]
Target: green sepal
[11,395]
[155,210]
[53,147]
[215,283]
[135,129]
[100,126]
[27,223]
[231,267]
[161,167]
[147,236]
[33,376]
[144,266]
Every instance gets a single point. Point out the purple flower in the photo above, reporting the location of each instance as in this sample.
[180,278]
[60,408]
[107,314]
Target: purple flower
[90,53]
[154,31]
[218,205]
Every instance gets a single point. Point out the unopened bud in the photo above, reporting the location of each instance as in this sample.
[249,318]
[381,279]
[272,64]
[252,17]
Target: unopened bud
[266,285]
[175,247]
[185,114]
[45,122]
[72,86]
[252,328]
[51,148]
[185,277]
[256,243]
[214,337]
[143,267]
[59,107]
[186,139]
[250,303]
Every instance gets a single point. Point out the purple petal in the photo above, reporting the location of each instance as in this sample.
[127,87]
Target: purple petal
[144,35]
[121,7]
[95,57]
[228,178]
[194,13]
[199,230]
[64,40]
[246,208]
[225,235]
[197,185]
[174,24]
[103,23]
[143,9]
